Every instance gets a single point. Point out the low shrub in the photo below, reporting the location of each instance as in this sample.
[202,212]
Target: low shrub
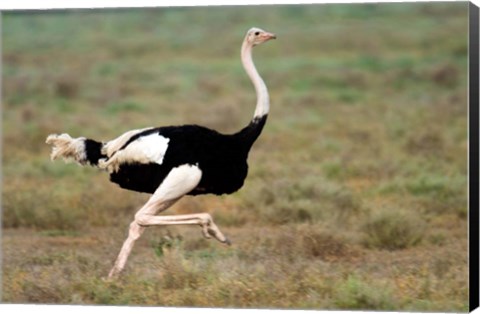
[393,229]
[356,294]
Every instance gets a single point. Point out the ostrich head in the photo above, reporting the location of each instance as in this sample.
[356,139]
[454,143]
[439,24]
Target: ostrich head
[256,36]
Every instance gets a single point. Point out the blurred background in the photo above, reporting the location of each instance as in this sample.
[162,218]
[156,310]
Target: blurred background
[357,191]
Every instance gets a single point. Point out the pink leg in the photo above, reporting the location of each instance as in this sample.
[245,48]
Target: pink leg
[179,182]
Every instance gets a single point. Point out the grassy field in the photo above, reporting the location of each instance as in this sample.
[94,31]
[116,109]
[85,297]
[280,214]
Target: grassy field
[357,191]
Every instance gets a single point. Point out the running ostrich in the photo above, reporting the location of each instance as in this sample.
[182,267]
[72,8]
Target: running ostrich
[173,161]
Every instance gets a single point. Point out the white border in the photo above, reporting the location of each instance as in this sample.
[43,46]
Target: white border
[55,4]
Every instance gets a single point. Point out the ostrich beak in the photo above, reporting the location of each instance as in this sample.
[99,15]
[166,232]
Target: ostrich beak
[269,36]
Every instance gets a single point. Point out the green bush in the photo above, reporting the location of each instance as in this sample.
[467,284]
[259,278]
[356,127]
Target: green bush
[356,294]
[392,229]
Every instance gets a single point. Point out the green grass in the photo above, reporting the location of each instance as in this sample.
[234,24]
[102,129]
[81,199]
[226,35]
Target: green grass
[356,195]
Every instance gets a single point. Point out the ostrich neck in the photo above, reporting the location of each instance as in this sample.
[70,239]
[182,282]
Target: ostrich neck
[263,101]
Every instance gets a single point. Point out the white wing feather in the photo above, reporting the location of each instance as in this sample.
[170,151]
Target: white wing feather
[146,149]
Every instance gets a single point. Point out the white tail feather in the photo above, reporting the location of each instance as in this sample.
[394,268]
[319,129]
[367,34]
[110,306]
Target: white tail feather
[67,147]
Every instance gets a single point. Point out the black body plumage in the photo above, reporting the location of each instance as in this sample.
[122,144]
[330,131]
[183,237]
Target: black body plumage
[93,151]
[221,158]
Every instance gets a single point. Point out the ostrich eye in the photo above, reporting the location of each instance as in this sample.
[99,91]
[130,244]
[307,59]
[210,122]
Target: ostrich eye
[257,33]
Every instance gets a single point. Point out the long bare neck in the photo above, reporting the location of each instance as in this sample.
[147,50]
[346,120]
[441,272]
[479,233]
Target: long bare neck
[249,134]
[263,100]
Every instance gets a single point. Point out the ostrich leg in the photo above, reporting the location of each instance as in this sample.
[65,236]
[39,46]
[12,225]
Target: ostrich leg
[179,182]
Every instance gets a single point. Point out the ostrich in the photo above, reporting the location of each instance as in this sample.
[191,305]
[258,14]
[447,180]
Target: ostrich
[173,161]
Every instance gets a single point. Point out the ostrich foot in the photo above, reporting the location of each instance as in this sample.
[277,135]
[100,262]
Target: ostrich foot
[210,229]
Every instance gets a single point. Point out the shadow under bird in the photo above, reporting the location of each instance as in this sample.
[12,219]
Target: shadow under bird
[173,161]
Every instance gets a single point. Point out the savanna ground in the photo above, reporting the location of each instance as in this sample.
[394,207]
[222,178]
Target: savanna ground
[356,197]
